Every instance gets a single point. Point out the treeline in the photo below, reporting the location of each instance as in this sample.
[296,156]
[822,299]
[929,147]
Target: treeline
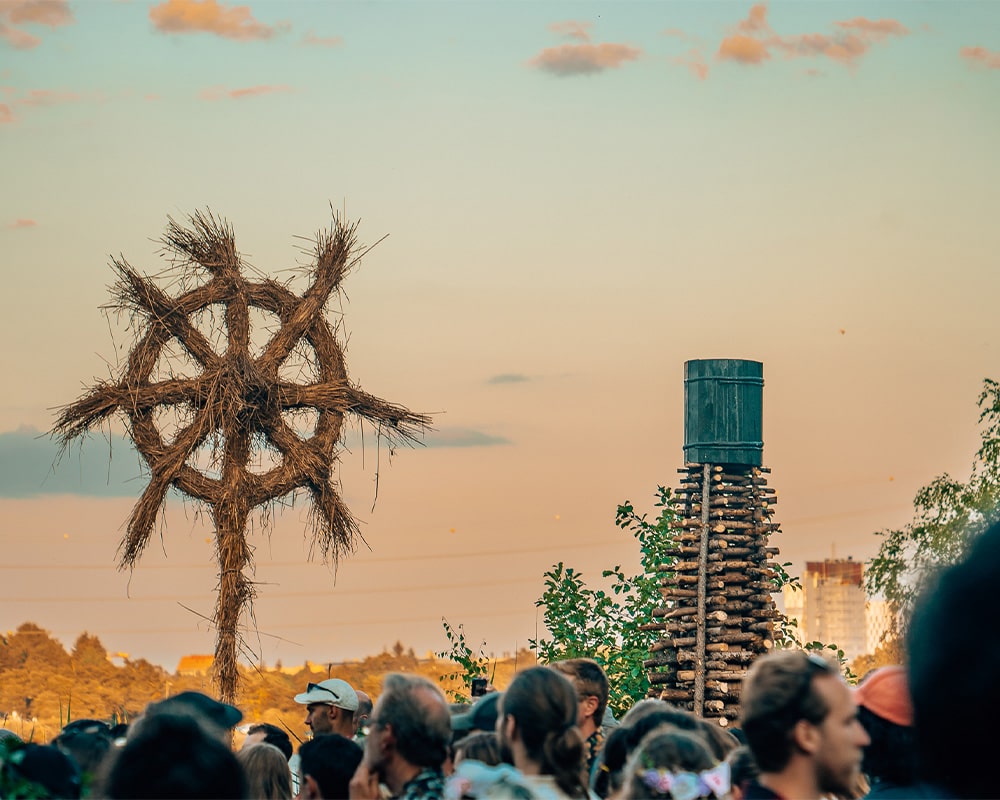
[42,686]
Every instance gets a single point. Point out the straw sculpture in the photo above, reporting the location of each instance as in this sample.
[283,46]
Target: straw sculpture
[240,405]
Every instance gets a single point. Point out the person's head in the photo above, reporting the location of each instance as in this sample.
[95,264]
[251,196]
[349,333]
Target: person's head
[794,706]
[330,707]
[173,756]
[953,666]
[362,712]
[625,740]
[410,721]
[35,770]
[668,758]
[216,717]
[537,724]
[266,771]
[592,690]
[886,713]
[326,766]
[483,746]
[742,770]
[87,747]
[480,716]
[269,734]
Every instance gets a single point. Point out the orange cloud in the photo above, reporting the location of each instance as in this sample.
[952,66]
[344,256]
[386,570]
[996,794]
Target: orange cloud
[313,40]
[753,39]
[6,115]
[209,16]
[571,29]
[584,59]
[744,49]
[22,223]
[52,13]
[47,97]
[981,57]
[218,92]
[877,29]
[756,20]
[694,61]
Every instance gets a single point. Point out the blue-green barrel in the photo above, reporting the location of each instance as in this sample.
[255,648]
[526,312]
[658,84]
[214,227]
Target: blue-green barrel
[723,411]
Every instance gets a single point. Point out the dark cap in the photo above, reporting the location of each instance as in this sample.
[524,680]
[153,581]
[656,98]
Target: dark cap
[199,705]
[481,717]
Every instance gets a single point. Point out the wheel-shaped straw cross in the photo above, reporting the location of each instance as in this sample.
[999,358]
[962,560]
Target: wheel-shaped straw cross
[238,400]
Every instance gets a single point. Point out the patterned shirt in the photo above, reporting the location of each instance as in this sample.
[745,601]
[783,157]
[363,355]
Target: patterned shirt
[428,785]
[594,744]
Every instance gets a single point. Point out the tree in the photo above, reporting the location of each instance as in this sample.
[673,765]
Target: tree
[949,516]
[608,626]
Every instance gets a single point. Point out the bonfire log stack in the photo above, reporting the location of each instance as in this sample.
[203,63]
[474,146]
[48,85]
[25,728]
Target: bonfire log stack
[718,614]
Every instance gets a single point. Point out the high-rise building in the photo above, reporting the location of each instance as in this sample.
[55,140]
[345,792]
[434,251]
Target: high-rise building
[832,607]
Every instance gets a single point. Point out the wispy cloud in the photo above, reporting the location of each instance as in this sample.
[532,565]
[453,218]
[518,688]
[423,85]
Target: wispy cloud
[220,92]
[312,40]
[21,223]
[981,58]
[15,13]
[463,437]
[47,97]
[694,61]
[210,16]
[6,115]
[584,59]
[30,466]
[572,29]
[508,377]
[753,40]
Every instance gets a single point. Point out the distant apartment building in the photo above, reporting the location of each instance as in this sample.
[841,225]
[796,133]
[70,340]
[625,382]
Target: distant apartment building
[832,607]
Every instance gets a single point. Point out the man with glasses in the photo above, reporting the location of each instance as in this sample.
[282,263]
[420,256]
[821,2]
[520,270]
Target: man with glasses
[330,707]
[407,744]
[801,723]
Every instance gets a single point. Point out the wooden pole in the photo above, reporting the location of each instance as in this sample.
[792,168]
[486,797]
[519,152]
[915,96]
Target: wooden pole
[699,679]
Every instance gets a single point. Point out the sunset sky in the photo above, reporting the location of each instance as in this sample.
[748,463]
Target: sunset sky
[577,198]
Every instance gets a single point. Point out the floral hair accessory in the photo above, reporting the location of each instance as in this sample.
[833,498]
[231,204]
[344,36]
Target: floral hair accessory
[688,785]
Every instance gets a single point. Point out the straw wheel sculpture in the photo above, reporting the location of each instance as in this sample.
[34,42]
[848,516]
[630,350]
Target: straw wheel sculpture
[240,406]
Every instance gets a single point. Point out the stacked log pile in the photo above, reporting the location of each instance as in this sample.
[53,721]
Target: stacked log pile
[718,614]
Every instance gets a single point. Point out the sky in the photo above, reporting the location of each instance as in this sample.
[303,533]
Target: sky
[568,201]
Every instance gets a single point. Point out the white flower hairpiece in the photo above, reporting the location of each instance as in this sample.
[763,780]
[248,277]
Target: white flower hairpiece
[688,785]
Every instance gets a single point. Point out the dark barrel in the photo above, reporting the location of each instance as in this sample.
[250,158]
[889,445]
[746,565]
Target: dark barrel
[723,411]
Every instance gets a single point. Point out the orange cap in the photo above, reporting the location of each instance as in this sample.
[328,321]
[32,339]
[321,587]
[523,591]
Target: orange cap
[886,692]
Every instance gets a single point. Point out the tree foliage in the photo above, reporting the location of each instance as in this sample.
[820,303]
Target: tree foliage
[607,625]
[948,516]
[468,664]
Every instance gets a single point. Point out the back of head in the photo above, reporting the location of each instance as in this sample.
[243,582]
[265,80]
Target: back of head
[331,761]
[173,756]
[778,692]
[589,679]
[742,766]
[266,770]
[273,735]
[35,770]
[482,746]
[216,717]
[543,704]
[953,669]
[666,759]
[420,719]
[87,749]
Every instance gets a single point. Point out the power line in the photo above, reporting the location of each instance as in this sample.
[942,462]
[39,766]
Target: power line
[269,595]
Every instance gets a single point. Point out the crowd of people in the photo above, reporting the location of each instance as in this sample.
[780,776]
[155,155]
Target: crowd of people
[919,730]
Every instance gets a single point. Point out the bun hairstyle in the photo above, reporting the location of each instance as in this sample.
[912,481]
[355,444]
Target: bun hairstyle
[544,706]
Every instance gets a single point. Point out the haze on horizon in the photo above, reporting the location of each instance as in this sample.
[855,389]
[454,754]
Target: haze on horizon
[578,197]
